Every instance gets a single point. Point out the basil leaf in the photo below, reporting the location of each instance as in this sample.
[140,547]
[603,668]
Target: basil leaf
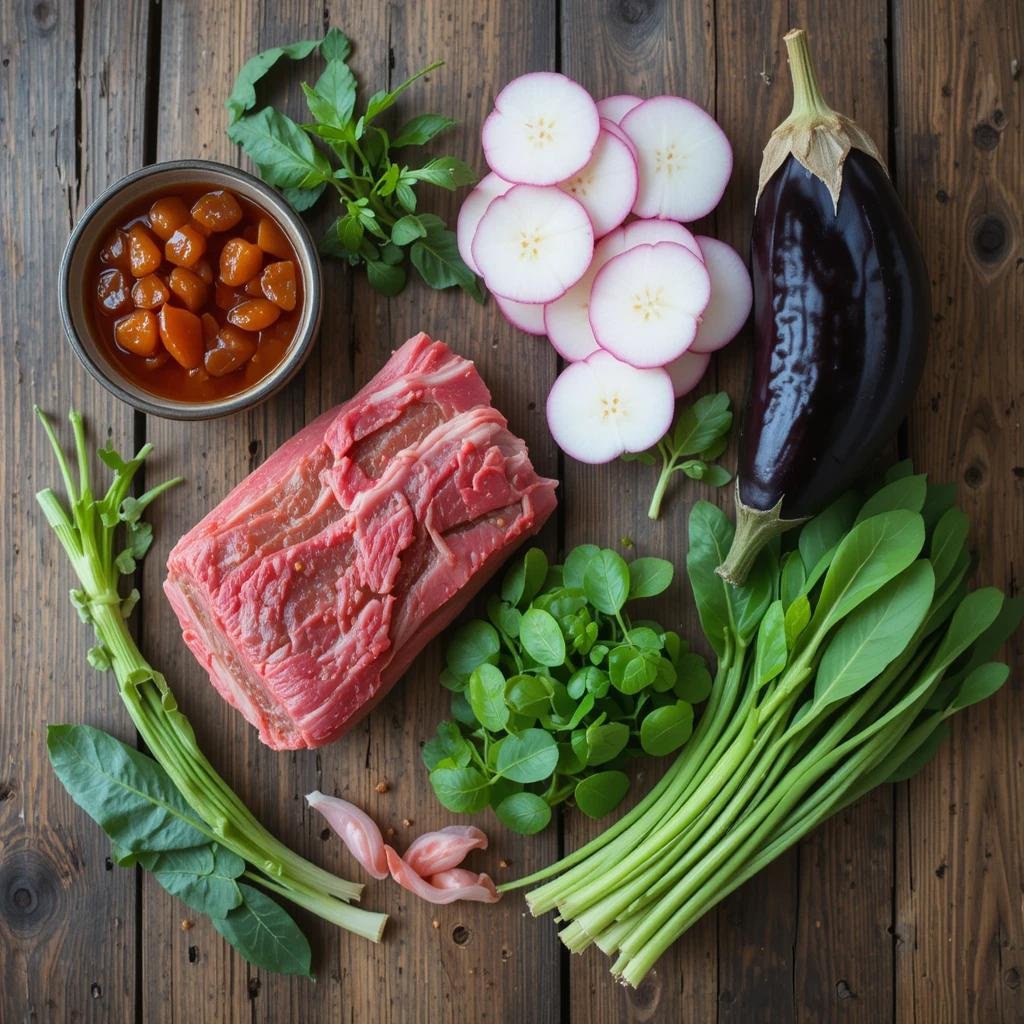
[264,933]
[447,745]
[463,790]
[717,476]
[407,229]
[388,280]
[576,563]
[446,171]
[525,813]
[487,697]
[529,757]
[874,635]
[542,638]
[698,426]
[598,794]
[202,877]
[649,577]
[421,130]
[666,729]
[606,581]
[335,45]
[283,152]
[126,793]
[472,644]
[438,262]
[243,93]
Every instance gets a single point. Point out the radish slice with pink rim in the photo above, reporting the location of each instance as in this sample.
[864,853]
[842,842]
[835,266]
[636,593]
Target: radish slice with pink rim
[611,126]
[685,158]
[542,130]
[601,407]
[533,244]
[474,206]
[528,317]
[607,185]
[640,232]
[567,319]
[645,303]
[358,831]
[731,296]
[686,371]
[443,849]
[615,108]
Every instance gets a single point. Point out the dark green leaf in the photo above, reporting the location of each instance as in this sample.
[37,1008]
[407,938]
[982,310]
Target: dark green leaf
[666,729]
[524,580]
[486,695]
[649,577]
[529,757]
[542,638]
[243,93]
[798,615]
[693,680]
[265,934]
[710,536]
[447,745]
[793,577]
[980,684]
[335,45]
[576,563]
[717,476]
[700,425]
[606,581]
[203,877]
[462,712]
[898,470]
[598,794]
[472,644]
[337,87]
[605,742]
[381,101]
[948,541]
[421,130]
[126,793]
[632,669]
[407,229]
[281,149]
[525,813]
[388,280]
[301,199]
[907,492]
[463,790]
[445,171]
[528,695]
[406,196]
[939,498]
[827,528]
[772,649]
[438,262]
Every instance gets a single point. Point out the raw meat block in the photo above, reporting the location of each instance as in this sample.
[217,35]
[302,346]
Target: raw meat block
[310,589]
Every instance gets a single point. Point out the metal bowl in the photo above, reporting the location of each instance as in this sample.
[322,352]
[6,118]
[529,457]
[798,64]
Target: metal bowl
[103,214]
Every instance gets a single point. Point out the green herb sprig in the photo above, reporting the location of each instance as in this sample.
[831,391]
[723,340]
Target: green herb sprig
[380,226]
[699,435]
[559,689]
[171,813]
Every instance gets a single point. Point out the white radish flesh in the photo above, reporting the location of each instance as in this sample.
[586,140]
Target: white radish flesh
[567,319]
[542,130]
[686,371]
[615,108]
[645,303]
[685,158]
[731,296]
[607,185]
[474,206]
[647,232]
[527,316]
[533,244]
[601,407]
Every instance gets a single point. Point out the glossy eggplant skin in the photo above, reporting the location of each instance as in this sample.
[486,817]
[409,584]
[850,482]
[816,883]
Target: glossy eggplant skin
[841,315]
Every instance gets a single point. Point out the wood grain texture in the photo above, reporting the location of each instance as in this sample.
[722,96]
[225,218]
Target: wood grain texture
[647,49]
[67,921]
[959,162]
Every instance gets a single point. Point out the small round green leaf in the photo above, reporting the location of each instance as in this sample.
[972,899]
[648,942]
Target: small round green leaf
[529,757]
[525,813]
[649,577]
[576,563]
[463,790]
[598,794]
[487,697]
[472,644]
[666,729]
[605,742]
[606,581]
[541,637]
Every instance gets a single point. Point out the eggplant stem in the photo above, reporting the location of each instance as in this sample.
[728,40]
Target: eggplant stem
[809,106]
[755,527]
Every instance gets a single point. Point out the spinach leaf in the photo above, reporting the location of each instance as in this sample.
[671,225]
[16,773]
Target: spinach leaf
[906,492]
[980,684]
[772,646]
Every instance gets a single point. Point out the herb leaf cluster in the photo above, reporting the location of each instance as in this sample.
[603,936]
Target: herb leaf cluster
[353,155]
[699,435]
[558,688]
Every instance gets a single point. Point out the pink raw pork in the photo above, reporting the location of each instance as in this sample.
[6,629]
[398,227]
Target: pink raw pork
[310,589]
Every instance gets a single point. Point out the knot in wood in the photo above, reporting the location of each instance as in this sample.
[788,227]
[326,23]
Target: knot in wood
[28,891]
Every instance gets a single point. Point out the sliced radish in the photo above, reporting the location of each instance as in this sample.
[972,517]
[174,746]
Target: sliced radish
[731,296]
[686,371]
[607,185]
[611,126]
[615,108]
[474,206]
[542,130]
[647,232]
[567,319]
[645,303]
[527,316]
[601,407]
[685,158]
[533,244]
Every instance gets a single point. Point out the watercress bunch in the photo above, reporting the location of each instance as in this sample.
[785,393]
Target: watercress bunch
[559,688]
[380,226]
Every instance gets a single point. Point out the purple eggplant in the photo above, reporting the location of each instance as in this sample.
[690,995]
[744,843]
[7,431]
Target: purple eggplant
[841,314]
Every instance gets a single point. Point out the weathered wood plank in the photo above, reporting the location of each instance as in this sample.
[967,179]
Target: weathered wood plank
[819,927]
[959,161]
[67,921]
[646,49]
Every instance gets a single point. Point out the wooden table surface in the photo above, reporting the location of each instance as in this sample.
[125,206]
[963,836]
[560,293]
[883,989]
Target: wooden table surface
[908,907]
